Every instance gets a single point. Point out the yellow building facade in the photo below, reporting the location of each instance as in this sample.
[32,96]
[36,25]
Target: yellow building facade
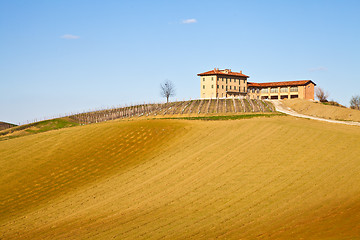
[227,84]
[222,84]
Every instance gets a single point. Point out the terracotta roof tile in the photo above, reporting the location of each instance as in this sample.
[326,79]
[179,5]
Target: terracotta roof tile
[226,72]
[280,84]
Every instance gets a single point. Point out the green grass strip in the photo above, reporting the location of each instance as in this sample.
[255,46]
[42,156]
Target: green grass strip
[38,127]
[227,117]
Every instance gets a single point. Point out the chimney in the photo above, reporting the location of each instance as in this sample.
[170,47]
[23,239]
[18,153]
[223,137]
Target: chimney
[240,71]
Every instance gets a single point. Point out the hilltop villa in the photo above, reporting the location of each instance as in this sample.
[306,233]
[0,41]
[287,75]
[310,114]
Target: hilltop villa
[225,83]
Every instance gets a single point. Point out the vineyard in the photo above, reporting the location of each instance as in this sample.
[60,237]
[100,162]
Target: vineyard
[192,107]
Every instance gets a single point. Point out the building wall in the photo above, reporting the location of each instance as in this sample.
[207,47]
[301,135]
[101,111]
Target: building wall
[231,83]
[301,92]
[309,92]
[295,94]
[264,95]
[221,82]
[253,93]
[208,86]
[277,93]
[216,86]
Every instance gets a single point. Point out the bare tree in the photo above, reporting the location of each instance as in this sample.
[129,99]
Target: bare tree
[167,89]
[321,94]
[355,102]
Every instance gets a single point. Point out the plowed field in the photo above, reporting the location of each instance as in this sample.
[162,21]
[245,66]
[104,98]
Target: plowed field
[260,178]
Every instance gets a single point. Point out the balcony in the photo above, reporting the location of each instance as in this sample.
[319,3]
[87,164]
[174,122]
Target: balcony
[234,92]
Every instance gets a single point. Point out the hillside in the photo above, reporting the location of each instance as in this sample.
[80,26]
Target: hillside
[321,110]
[37,127]
[228,108]
[261,178]
[5,125]
[203,107]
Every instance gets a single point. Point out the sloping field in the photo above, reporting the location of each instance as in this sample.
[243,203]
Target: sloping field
[37,127]
[260,178]
[320,110]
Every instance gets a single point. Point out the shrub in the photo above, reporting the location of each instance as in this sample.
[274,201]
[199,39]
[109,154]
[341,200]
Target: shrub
[321,94]
[355,102]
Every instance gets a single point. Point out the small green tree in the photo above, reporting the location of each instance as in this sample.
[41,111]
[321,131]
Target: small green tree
[355,102]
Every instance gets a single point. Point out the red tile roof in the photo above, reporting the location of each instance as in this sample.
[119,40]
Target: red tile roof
[280,84]
[226,72]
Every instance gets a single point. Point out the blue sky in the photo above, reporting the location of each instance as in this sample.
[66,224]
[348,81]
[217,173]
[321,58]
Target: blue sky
[59,57]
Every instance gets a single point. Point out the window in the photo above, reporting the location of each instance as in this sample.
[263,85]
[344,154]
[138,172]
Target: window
[257,91]
[212,86]
[244,89]
[222,86]
[234,80]
[274,90]
[230,87]
[264,90]
[230,79]
[203,86]
[235,87]
[253,90]
[212,79]
[283,89]
[203,79]
[249,90]
[218,86]
[293,89]
[222,79]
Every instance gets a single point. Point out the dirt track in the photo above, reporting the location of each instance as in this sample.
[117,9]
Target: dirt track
[283,109]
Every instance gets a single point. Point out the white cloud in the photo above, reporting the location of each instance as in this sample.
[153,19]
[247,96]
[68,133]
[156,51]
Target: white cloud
[70,36]
[317,69]
[190,20]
